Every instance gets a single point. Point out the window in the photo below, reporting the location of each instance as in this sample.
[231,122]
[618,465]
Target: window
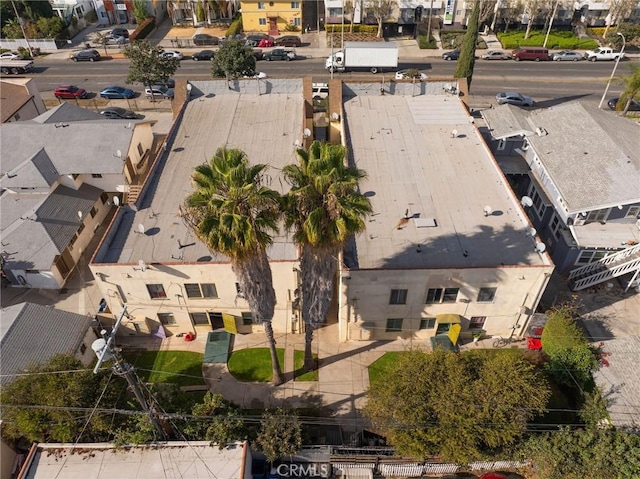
[80,229]
[554,224]
[193,290]
[156,291]
[297,21]
[261,5]
[262,21]
[196,290]
[166,319]
[597,215]
[477,322]
[486,295]
[73,241]
[209,290]
[96,175]
[104,198]
[335,12]
[295,4]
[394,325]
[247,318]
[538,205]
[427,323]
[501,145]
[439,295]
[140,149]
[199,318]
[398,296]
[633,212]
[93,212]
[589,256]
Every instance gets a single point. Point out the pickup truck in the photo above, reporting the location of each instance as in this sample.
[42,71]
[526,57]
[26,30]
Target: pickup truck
[602,54]
[280,54]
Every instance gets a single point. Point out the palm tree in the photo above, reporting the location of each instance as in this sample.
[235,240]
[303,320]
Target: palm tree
[324,208]
[631,90]
[234,215]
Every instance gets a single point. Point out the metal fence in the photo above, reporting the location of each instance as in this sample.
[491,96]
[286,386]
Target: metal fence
[44,44]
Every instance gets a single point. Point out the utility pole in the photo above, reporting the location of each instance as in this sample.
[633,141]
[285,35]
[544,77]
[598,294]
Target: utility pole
[105,350]
[21,22]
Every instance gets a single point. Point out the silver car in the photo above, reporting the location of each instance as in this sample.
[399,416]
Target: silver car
[513,98]
[566,55]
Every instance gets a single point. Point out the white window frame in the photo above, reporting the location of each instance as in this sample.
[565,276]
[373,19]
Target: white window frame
[555,228]
[502,144]
[598,216]
[633,212]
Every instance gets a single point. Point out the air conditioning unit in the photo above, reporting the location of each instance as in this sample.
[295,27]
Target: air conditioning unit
[578,221]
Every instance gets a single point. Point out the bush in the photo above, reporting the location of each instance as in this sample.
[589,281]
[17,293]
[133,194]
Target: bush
[337,28]
[235,27]
[291,28]
[423,43]
[557,40]
[144,29]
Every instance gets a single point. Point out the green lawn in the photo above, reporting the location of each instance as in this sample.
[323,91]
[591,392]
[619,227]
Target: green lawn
[253,364]
[299,373]
[378,369]
[183,368]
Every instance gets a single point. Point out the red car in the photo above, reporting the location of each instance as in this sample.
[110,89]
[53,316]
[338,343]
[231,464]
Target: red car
[265,43]
[288,41]
[69,92]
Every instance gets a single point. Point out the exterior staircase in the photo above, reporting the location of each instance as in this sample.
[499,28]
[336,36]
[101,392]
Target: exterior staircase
[611,266]
[133,193]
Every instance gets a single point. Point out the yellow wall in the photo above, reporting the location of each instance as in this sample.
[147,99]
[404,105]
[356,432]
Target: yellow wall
[251,15]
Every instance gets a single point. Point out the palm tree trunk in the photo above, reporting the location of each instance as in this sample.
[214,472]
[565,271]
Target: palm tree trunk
[275,363]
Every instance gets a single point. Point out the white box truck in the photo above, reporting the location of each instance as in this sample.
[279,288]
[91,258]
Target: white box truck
[372,56]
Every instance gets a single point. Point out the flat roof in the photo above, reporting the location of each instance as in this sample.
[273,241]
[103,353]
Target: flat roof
[263,125]
[184,460]
[425,159]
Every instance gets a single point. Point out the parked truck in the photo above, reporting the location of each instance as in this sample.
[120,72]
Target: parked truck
[15,67]
[602,54]
[372,56]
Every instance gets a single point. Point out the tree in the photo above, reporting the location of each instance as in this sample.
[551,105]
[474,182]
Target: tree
[619,10]
[459,407]
[234,59]
[631,90]
[349,9]
[200,14]
[37,406]
[466,62]
[280,434]
[140,10]
[50,27]
[234,215]
[534,8]
[584,454]
[380,10]
[222,425]
[571,358]
[147,65]
[324,208]
[102,39]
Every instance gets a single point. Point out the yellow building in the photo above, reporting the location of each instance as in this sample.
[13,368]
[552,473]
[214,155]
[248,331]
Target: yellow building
[271,17]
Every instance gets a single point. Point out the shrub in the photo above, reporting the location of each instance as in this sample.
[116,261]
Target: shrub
[291,28]
[144,29]
[556,40]
[235,27]
[423,43]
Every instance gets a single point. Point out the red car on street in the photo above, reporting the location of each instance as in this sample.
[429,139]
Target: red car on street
[69,92]
[265,43]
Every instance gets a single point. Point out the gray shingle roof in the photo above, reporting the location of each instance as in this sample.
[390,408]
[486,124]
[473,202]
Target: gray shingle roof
[67,112]
[32,334]
[35,172]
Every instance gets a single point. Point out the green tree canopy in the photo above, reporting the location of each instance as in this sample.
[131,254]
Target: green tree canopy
[457,406]
[280,434]
[140,10]
[147,66]
[631,91]
[467,60]
[234,59]
[50,27]
[28,404]
[217,421]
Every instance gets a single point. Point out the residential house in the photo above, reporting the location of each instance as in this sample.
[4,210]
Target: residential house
[576,168]
[58,180]
[19,100]
[185,12]
[33,334]
[448,246]
[69,9]
[271,17]
[171,460]
[121,12]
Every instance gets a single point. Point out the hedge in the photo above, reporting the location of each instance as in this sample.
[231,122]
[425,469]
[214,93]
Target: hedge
[144,29]
[336,28]
[235,27]
[423,43]
[557,40]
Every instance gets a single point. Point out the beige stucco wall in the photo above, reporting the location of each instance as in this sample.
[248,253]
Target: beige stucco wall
[251,15]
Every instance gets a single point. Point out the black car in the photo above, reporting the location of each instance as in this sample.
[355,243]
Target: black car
[117,113]
[288,41]
[613,103]
[120,32]
[203,55]
[253,39]
[280,54]
[204,39]
[86,56]
[453,55]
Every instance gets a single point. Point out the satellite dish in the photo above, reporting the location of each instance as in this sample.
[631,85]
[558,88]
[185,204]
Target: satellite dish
[80,215]
[306,132]
[335,116]
[487,210]
[99,347]
[297,143]
[541,247]
[143,265]
[531,232]
[526,201]
[454,133]
[141,228]
[116,201]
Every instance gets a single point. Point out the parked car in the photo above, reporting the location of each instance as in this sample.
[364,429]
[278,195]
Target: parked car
[320,91]
[117,92]
[256,37]
[266,43]
[12,56]
[69,92]
[116,40]
[280,54]
[410,74]
[566,55]
[117,113]
[158,91]
[89,55]
[119,32]
[288,41]
[258,54]
[172,54]
[204,39]
[496,55]
[203,55]
[452,55]
[613,103]
[513,98]
[530,53]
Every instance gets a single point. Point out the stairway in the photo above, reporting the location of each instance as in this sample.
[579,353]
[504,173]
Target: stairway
[133,193]
[611,266]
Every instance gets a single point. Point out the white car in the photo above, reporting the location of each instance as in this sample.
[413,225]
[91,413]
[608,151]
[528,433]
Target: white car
[159,92]
[410,74]
[11,56]
[258,75]
[172,54]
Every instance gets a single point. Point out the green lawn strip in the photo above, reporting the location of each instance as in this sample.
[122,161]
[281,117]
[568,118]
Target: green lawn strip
[183,368]
[378,369]
[253,364]
[299,373]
